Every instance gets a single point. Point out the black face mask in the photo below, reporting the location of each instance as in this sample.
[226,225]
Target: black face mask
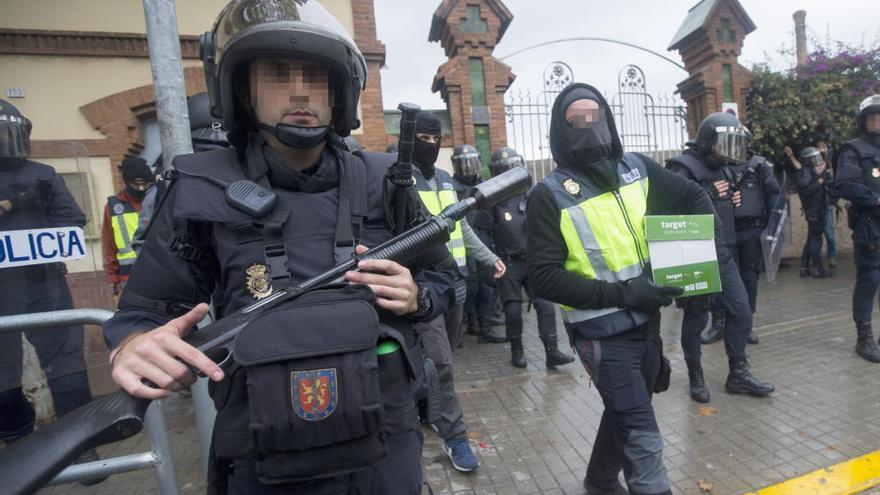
[424,155]
[591,147]
[135,194]
[297,136]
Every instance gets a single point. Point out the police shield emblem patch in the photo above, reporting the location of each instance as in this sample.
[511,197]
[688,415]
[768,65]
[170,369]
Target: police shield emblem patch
[572,187]
[257,280]
[314,393]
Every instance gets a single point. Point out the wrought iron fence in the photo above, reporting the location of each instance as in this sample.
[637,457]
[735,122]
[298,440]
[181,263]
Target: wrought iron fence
[655,126]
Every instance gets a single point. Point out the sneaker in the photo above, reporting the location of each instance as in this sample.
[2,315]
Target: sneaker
[459,452]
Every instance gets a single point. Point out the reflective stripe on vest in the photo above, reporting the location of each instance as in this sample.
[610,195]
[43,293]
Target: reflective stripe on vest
[124,224]
[603,243]
[435,201]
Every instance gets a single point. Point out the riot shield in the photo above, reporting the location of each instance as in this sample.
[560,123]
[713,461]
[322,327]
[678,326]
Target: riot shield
[774,235]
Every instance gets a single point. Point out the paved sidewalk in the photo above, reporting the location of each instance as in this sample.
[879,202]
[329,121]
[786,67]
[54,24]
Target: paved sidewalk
[534,429]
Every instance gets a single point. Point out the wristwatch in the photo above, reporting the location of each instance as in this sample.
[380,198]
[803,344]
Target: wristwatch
[424,303]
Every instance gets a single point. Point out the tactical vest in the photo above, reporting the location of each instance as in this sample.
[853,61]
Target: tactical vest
[435,201]
[751,176]
[124,219]
[706,178]
[510,227]
[869,161]
[304,404]
[604,234]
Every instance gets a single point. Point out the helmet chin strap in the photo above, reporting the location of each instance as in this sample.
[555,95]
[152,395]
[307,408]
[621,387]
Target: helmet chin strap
[297,136]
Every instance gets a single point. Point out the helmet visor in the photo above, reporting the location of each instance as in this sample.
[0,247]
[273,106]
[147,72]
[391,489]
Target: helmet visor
[812,158]
[466,164]
[14,136]
[498,167]
[731,144]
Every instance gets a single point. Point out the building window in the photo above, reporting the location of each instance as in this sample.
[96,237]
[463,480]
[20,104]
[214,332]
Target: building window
[472,24]
[78,185]
[481,136]
[727,80]
[724,33]
[478,83]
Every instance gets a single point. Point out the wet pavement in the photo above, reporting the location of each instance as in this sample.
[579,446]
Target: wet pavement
[533,428]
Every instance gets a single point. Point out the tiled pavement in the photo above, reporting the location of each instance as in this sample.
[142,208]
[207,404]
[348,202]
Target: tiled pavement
[534,429]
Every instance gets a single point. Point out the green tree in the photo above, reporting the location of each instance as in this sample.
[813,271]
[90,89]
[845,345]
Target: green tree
[814,102]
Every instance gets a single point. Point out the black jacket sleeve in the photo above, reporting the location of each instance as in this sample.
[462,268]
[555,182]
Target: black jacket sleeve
[163,285]
[771,186]
[850,182]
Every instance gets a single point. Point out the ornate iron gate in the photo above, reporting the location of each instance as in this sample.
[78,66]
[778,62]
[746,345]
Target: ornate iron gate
[655,126]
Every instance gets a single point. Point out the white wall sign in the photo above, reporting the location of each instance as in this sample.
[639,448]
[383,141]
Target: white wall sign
[40,246]
[15,92]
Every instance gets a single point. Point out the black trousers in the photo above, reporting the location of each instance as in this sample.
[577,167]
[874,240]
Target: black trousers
[511,290]
[480,290]
[866,250]
[625,372]
[811,255]
[734,300]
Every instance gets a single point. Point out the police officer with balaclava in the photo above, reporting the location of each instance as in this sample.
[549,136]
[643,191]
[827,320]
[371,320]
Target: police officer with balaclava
[509,219]
[721,141]
[759,191]
[858,181]
[441,335]
[33,196]
[480,301]
[587,251]
[320,398]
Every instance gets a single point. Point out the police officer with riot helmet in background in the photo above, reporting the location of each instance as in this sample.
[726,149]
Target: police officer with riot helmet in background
[279,427]
[441,335]
[858,181]
[509,232]
[33,196]
[759,190]
[721,141]
[815,186]
[480,301]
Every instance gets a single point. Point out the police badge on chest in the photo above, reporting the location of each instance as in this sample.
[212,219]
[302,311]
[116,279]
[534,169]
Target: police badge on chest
[257,280]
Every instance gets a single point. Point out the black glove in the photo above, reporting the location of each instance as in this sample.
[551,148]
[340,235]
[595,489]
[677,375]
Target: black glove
[642,294]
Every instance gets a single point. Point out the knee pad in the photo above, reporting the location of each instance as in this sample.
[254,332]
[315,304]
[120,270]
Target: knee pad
[16,415]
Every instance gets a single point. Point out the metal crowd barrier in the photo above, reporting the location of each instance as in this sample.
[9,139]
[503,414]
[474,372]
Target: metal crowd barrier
[158,457]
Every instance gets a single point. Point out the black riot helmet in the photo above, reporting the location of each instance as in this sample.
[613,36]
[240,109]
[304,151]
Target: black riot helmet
[504,159]
[868,106]
[206,130]
[15,132]
[724,139]
[465,162]
[295,29]
[811,157]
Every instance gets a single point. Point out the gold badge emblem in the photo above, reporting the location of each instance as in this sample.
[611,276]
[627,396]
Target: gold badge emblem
[572,187]
[257,280]
[508,216]
[876,172]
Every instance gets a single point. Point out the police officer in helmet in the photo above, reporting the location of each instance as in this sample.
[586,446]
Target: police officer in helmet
[721,141]
[815,186]
[480,301]
[320,398]
[33,196]
[509,220]
[858,181]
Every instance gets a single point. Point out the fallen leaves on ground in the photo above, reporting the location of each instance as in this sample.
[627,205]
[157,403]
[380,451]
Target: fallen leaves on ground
[704,486]
[708,411]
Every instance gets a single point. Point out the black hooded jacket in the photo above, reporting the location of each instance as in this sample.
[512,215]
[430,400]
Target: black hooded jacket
[668,194]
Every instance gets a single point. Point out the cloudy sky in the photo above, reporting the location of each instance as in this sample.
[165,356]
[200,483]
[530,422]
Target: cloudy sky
[412,62]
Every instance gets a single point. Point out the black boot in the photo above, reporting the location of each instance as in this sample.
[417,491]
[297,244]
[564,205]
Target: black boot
[865,345]
[805,271]
[697,385]
[741,381]
[488,336]
[517,356]
[821,272]
[473,325]
[716,331]
[594,489]
[753,337]
[90,455]
[555,357]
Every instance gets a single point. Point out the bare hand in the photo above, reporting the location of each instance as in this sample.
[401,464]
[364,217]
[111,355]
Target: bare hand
[5,207]
[722,186]
[156,356]
[392,283]
[500,268]
[737,199]
[788,152]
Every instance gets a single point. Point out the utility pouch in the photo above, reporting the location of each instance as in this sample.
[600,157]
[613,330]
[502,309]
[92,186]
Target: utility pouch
[313,381]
